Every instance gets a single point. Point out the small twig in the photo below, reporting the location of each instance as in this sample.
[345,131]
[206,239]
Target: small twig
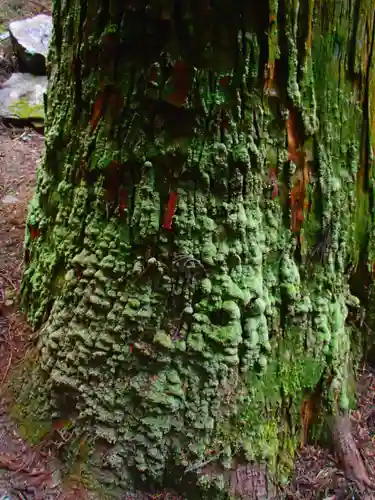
[18,137]
[9,280]
[41,5]
[8,367]
[199,465]
[10,358]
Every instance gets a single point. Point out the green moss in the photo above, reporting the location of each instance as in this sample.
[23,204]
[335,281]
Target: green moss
[259,431]
[24,110]
[28,396]
[30,428]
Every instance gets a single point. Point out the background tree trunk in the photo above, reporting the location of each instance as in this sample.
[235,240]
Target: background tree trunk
[205,194]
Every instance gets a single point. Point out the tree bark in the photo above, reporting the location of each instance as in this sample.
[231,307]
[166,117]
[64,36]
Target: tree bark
[205,194]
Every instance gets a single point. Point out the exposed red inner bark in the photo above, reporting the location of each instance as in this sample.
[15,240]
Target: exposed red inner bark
[97,112]
[170,211]
[27,256]
[273,181]
[60,424]
[300,180]
[114,104]
[34,232]
[123,197]
[224,82]
[113,179]
[109,99]
[181,82]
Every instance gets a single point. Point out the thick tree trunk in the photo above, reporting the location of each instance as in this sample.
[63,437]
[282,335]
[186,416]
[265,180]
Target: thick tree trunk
[205,193]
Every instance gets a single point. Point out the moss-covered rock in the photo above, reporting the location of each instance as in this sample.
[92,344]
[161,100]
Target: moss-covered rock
[21,97]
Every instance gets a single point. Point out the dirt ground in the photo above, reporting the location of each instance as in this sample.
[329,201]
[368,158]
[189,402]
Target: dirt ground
[32,473]
[12,10]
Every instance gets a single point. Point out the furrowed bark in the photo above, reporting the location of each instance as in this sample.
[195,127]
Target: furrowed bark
[205,193]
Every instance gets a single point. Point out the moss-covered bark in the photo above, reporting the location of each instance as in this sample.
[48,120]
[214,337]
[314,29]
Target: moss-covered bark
[205,194]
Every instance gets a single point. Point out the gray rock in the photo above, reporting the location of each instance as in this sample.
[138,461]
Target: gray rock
[30,38]
[21,97]
[9,199]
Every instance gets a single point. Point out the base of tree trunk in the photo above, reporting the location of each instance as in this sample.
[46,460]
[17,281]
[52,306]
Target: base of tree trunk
[209,479]
[348,453]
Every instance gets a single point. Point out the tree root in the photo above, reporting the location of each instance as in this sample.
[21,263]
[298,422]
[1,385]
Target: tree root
[348,454]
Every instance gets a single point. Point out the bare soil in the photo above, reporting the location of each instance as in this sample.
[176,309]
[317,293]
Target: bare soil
[13,10]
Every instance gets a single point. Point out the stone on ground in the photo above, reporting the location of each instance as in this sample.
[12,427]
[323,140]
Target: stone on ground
[9,199]
[31,39]
[21,97]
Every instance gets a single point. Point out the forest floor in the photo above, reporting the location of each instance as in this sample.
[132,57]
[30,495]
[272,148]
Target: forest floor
[28,472]
[13,10]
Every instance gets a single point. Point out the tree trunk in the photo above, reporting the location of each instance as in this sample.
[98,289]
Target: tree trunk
[205,194]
